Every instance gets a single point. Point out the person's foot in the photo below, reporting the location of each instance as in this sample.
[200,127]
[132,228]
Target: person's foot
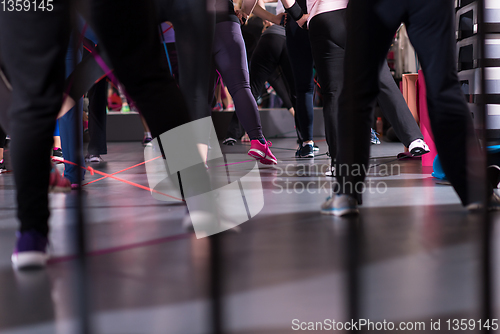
[305,151]
[93,158]
[147,141]
[340,205]
[262,152]
[330,172]
[57,155]
[125,108]
[374,138]
[245,138]
[3,168]
[418,147]
[58,183]
[229,141]
[218,107]
[30,251]
[493,204]
[315,148]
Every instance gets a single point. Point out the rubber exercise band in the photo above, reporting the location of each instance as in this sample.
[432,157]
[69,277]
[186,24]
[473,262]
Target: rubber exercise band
[120,171]
[92,170]
[168,29]
[166,51]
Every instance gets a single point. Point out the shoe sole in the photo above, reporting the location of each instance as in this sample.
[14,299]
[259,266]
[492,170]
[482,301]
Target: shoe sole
[417,152]
[58,160]
[261,156]
[58,189]
[340,212]
[268,161]
[257,154]
[26,260]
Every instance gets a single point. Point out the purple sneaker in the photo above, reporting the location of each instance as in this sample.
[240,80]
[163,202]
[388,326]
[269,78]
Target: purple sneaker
[30,251]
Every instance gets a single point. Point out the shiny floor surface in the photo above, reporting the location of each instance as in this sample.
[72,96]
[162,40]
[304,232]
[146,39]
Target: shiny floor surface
[417,253]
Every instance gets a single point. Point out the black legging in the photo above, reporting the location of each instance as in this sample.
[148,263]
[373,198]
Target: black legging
[97,118]
[327,33]
[269,60]
[299,49]
[371,25]
[194,32]
[270,63]
[3,136]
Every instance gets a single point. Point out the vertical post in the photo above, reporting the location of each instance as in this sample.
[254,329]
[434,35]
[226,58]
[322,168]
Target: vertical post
[79,236]
[486,227]
[216,283]
[353,279]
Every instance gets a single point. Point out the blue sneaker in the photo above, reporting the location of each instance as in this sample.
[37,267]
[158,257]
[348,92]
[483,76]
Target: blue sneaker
[306,151]
[340,205]
[30,251]
[374,138]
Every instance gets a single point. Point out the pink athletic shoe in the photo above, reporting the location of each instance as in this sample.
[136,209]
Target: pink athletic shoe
[58,183]
[262,152]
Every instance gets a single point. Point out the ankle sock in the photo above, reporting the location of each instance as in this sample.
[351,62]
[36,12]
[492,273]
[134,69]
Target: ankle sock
[262,140]
[147,134]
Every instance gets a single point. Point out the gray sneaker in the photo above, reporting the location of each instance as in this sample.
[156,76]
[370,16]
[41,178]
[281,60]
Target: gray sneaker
[340,205]
[93,158]
[493,204]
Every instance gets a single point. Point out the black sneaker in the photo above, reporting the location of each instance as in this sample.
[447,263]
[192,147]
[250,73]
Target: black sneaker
[306,151]
[315,148]
[2,166]
[229,141]
[57,155]
[147,141]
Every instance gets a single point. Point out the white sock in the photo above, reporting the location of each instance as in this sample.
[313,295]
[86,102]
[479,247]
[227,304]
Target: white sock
[147,134]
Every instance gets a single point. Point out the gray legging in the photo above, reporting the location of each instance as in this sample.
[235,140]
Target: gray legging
[231,62]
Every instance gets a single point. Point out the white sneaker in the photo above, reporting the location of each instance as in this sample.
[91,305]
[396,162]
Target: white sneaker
[418,147]
[93,158]
[331,172]
[340,205]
